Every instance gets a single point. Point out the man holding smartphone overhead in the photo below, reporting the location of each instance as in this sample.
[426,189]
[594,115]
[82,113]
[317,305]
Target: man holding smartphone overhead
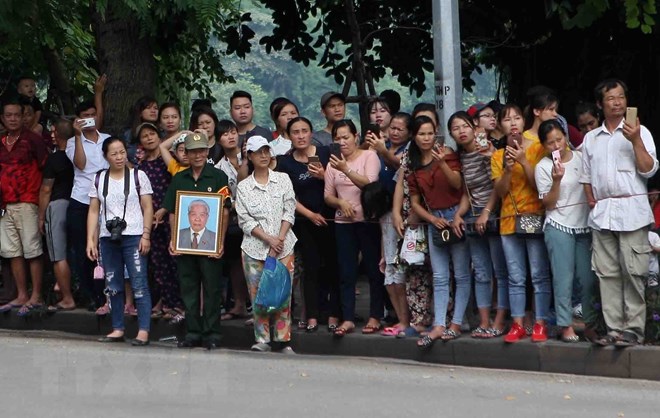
[618,158]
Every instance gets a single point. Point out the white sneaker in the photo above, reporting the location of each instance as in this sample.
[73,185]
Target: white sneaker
[262,347]
[288,351]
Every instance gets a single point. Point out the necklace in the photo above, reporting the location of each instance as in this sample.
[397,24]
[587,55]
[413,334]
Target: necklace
[9,142]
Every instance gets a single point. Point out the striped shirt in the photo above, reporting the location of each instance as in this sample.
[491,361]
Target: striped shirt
[477,177]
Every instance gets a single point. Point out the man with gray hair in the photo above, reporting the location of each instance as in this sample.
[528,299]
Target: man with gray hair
[197,236]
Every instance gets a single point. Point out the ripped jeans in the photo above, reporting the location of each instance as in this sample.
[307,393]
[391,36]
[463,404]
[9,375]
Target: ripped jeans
[114,256]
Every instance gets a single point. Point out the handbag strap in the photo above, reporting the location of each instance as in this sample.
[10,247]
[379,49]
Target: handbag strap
[515,207]
[469,195]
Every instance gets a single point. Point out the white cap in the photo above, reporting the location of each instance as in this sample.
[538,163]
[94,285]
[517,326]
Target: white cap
[255,143]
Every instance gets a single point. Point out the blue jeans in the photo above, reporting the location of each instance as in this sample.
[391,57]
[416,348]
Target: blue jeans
[570,258]
[488,258]
[517,252]
[353,239]
[114,256]
[459,254]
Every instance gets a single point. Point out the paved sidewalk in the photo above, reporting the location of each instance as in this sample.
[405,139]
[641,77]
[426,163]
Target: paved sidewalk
[552,356]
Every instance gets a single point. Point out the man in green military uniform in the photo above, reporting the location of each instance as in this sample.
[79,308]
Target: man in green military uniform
[198,271]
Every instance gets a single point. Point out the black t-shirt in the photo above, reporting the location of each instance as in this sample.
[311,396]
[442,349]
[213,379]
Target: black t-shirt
[59,167]
[215,154]
[308,189]
[258,130]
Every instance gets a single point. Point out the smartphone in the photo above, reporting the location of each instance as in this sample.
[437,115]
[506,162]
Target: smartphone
[335,150]
[374,128]
[556,157]
[439,140]
[482,140]
[513,138]
[88,122]
[631,116]
[313,159]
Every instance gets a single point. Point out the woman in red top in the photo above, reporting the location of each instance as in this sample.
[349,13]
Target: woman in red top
[436,188]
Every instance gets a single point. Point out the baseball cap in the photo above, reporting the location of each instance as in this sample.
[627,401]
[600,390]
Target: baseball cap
[142,126]
[255,143]
[329,95]
[476,108]
[196,140]
[180,140]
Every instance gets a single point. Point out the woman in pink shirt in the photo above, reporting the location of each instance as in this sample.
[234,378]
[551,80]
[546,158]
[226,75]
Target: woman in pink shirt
[345,177]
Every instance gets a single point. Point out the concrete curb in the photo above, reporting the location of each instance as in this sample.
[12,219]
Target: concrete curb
[553,356]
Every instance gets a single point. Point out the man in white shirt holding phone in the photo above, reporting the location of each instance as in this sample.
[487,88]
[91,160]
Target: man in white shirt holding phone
[618,158]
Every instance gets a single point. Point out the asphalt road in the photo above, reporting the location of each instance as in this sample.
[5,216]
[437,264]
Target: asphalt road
[52,375]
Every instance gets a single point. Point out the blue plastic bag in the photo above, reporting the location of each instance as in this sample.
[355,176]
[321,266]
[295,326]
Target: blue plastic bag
[274,289]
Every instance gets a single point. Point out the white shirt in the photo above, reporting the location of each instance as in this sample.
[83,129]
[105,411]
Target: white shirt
[199,234]
[572,212]
[228,168]
[113,205]
[280,146]
[84,179]
[265,206]
[608,163]
[654,240]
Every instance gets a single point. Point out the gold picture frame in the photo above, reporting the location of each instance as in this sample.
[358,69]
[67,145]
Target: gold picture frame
[198,230]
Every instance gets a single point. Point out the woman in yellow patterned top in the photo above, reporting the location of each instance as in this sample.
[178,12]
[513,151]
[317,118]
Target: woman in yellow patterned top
[513,174]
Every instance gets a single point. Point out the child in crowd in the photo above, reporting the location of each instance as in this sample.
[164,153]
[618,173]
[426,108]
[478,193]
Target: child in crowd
[27,90]
[174,153]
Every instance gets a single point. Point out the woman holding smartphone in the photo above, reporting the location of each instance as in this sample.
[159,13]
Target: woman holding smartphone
[306,168]
[436,188]
[513,173]
[379,115]
[479,206]
[566,231]
[345,176]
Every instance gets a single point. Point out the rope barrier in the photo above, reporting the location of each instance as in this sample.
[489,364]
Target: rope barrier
[507,216]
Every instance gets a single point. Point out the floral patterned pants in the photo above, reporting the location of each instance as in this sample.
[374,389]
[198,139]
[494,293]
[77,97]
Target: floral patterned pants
[279,321]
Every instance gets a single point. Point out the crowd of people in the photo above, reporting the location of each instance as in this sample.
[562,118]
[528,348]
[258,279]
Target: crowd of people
[541,219]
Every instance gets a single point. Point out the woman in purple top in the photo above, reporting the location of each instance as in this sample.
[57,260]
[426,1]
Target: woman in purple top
[162,268]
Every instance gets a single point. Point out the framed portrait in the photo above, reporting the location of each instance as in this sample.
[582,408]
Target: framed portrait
[198,222]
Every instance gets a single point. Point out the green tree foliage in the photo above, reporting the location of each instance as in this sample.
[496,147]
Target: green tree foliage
[636,13]
[396,35]
[181,33]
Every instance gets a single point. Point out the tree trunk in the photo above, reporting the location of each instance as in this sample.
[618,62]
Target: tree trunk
[60,85]
[358,61]
[127,59]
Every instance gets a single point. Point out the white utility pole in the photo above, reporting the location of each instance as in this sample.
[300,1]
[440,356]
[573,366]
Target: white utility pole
[447,63]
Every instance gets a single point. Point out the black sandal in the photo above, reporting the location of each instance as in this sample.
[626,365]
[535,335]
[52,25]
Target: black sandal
[425,342]
[606,340]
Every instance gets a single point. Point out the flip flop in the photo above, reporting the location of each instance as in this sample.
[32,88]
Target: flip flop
[371,329]
[58,308]
[27,309]
[341,332]
[408,333]
[8,307]
[391,331]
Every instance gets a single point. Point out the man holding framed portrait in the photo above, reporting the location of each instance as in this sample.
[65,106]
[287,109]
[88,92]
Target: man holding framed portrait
[198,200]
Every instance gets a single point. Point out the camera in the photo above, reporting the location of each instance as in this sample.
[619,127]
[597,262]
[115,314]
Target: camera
[88,123]
[115,226]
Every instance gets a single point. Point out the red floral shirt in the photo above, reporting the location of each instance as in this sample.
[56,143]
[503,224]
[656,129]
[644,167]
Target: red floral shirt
[20,168]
